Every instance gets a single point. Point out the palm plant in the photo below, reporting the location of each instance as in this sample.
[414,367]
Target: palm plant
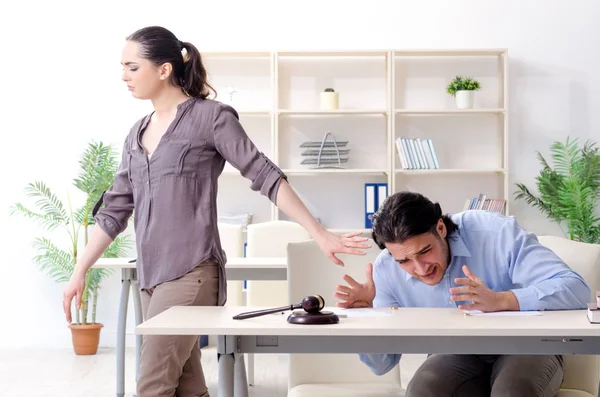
[98,166]
[570,191]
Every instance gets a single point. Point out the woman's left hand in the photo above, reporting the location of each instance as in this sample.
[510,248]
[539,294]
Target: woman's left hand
[348,243]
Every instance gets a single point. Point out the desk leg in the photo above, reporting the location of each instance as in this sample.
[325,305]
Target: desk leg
[240,382]
[122,322]
[137,306]
[225,357]
[251,369]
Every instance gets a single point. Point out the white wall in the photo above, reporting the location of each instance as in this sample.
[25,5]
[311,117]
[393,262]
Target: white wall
[61,87]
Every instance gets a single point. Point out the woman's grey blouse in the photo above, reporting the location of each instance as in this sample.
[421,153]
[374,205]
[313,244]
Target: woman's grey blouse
[173,194]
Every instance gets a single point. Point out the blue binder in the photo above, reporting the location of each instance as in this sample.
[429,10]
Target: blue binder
[375,194]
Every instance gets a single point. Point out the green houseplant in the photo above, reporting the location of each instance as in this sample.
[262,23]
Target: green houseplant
[569,190]
[463,89]
[98,164]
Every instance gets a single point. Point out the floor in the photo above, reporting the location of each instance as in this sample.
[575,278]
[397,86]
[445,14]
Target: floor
[62,373]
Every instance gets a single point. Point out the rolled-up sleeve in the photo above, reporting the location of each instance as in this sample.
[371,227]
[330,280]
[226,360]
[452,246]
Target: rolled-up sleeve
[118,201]
[232,142]
[542,281]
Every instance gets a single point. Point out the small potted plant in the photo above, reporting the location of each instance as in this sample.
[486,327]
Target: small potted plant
[329,99]
[98,167]
[463,89]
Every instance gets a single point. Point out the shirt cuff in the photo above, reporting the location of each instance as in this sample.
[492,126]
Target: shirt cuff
[268,179]
[108,226]
[527,298]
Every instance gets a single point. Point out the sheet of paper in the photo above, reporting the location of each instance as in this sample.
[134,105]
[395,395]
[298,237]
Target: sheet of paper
[361,312]
[507,313]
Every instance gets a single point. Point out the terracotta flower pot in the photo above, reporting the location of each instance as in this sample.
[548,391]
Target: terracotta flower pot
[85,338]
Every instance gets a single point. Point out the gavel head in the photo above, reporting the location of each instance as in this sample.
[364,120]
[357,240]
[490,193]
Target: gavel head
[313,304]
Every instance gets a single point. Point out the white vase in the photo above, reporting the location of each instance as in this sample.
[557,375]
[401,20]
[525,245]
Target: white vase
[329,101]
[465,99]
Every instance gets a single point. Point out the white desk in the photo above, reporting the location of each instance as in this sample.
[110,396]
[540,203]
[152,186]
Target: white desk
[237,268]
[407,330]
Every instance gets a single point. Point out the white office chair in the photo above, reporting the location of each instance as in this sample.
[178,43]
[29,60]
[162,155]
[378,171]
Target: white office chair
[582,372]
[310,272]
[269,239]
[232,242]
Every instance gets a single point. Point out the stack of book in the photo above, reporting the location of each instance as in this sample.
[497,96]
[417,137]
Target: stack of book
[416,153]
[482,202]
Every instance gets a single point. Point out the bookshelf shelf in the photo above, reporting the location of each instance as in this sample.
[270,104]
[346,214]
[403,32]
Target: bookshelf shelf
[449,111]
[335,171]
[384,95]
[332,54]
[451,52]
[254,112]
[452,171]
[333,112]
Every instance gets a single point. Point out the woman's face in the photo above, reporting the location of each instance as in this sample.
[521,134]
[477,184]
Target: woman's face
[143,78]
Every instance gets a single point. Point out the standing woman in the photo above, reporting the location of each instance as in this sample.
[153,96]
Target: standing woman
[170,164]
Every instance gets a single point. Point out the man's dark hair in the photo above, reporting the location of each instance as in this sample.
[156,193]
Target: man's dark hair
[407,214]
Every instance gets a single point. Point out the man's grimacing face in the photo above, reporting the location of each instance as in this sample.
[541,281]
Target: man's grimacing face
[425,257]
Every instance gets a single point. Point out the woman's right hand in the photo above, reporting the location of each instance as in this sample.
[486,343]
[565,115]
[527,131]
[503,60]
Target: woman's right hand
[74,289]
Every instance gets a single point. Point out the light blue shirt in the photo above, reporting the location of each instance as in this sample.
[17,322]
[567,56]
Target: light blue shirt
[498,251]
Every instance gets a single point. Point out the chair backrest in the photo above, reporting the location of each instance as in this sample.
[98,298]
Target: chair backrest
[268,239]
[232,239]
[232,242]
[271,238]
[363,232]
[581,372]
[310,272]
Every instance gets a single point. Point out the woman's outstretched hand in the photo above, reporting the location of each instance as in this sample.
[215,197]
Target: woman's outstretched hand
[74,290]
[348,243]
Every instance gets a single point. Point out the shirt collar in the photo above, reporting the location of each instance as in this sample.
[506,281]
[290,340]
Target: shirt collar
[457,246]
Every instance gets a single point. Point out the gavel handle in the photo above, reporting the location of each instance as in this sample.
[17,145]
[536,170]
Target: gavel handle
[257,313]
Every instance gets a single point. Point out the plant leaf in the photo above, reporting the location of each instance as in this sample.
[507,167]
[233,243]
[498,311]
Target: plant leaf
[56,263]
[51,211]
[569,192]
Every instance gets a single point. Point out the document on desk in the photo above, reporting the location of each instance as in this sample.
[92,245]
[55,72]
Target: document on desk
[361,312]
[505,313]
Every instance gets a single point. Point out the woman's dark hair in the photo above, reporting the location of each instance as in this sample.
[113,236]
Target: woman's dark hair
[160,46]
[404,215]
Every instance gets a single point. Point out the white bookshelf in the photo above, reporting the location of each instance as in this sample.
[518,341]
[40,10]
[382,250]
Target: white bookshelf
[384,94]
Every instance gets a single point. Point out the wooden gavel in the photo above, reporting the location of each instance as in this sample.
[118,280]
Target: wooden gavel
[312,304]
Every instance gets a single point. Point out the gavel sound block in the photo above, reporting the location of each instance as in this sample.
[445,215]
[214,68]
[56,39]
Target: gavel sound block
[312,314]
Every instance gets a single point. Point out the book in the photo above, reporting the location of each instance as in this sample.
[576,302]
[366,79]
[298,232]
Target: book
[593,313]
[483,202]
[416,153]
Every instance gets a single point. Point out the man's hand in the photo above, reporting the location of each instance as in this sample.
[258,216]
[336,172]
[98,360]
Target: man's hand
[357,295]
[482,297]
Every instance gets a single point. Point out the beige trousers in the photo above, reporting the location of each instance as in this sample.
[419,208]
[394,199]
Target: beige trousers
[170,365]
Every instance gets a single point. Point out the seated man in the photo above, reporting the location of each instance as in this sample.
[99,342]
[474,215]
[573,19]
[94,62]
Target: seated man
[473,260]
